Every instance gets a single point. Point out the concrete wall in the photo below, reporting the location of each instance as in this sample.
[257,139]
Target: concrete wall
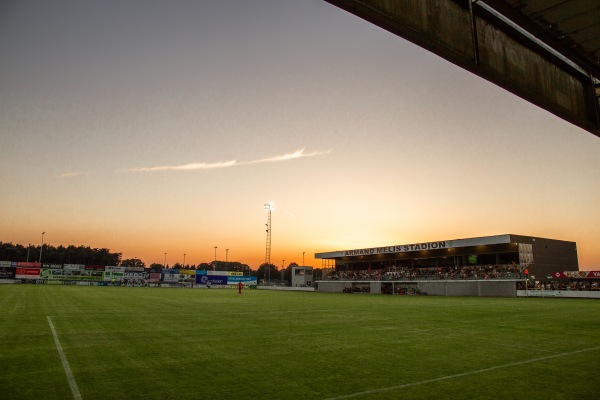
[479,288]
[333,286]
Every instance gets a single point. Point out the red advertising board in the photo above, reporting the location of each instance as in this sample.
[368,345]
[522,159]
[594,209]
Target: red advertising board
[154,276]
[27,273]
[576,275]
[28,264]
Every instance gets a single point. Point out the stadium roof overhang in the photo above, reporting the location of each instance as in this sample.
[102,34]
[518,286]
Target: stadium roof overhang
[545,51]
[420,247]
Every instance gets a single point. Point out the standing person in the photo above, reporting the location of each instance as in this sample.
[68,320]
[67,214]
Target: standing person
[240,286]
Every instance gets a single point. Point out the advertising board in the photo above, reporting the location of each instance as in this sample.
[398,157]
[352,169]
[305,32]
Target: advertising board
[213,279]
[27,273]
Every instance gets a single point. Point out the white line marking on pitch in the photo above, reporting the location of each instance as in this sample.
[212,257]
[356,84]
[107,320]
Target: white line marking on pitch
[443,378]
[65,363]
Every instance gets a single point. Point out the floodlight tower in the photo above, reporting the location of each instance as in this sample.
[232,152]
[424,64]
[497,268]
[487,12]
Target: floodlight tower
[269,207]
[42,246]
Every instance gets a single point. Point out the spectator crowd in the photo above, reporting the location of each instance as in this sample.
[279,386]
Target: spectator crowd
[504,271]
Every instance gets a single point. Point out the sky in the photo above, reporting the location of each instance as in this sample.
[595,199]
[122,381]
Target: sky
[153,127]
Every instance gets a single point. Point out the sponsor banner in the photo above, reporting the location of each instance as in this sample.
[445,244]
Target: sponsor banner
[201,272]
[175,277]
[170,271]
[53,266]
[49,273]
[113,268]
[235,273]
[581,294]
[155,276]
[213,279]
[218,273]
[246,280]
[28,264]
[27,273]
[134,269]
[72,272]
[5,264]
[109,276]
[187,271]
[397,249]
[576,275]
[133,275]
[7,273]
[172,277]
[94,267]
[74,266]
[82,278]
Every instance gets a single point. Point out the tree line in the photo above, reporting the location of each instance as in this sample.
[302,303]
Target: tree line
[58,255]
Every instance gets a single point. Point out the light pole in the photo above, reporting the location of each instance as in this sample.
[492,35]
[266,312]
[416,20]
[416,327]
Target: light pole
[42,247]
[183,260]
[215,263]
[269,207]
[303,263]
[165,264]
[226,258]
[28,246]
[282,266]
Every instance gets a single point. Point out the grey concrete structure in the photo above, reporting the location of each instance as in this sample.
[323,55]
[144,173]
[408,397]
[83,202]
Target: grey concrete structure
[541,256]
[302,276]
[473,288]
[547,52]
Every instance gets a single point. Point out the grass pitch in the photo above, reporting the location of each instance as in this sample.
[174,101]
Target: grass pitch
[156,343]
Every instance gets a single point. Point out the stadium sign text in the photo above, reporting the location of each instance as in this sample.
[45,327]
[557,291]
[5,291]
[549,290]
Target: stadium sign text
[396,249]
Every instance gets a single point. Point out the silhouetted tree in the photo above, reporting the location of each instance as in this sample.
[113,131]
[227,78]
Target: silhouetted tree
[267,272]
[59,255]
[133,262]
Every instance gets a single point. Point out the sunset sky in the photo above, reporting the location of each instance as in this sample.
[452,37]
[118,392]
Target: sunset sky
[152,127]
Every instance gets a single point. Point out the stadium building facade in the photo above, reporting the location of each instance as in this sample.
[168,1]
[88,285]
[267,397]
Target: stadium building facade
[539,256]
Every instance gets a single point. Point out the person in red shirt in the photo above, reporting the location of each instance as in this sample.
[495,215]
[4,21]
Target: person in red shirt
[240,286]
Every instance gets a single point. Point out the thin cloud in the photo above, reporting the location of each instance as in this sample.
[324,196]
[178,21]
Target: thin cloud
[185,167]
[227,164]
[290,156]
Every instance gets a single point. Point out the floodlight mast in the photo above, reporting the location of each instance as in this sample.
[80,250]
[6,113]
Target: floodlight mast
[269,207]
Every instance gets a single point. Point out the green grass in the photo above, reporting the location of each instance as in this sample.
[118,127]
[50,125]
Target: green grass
[150,343]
